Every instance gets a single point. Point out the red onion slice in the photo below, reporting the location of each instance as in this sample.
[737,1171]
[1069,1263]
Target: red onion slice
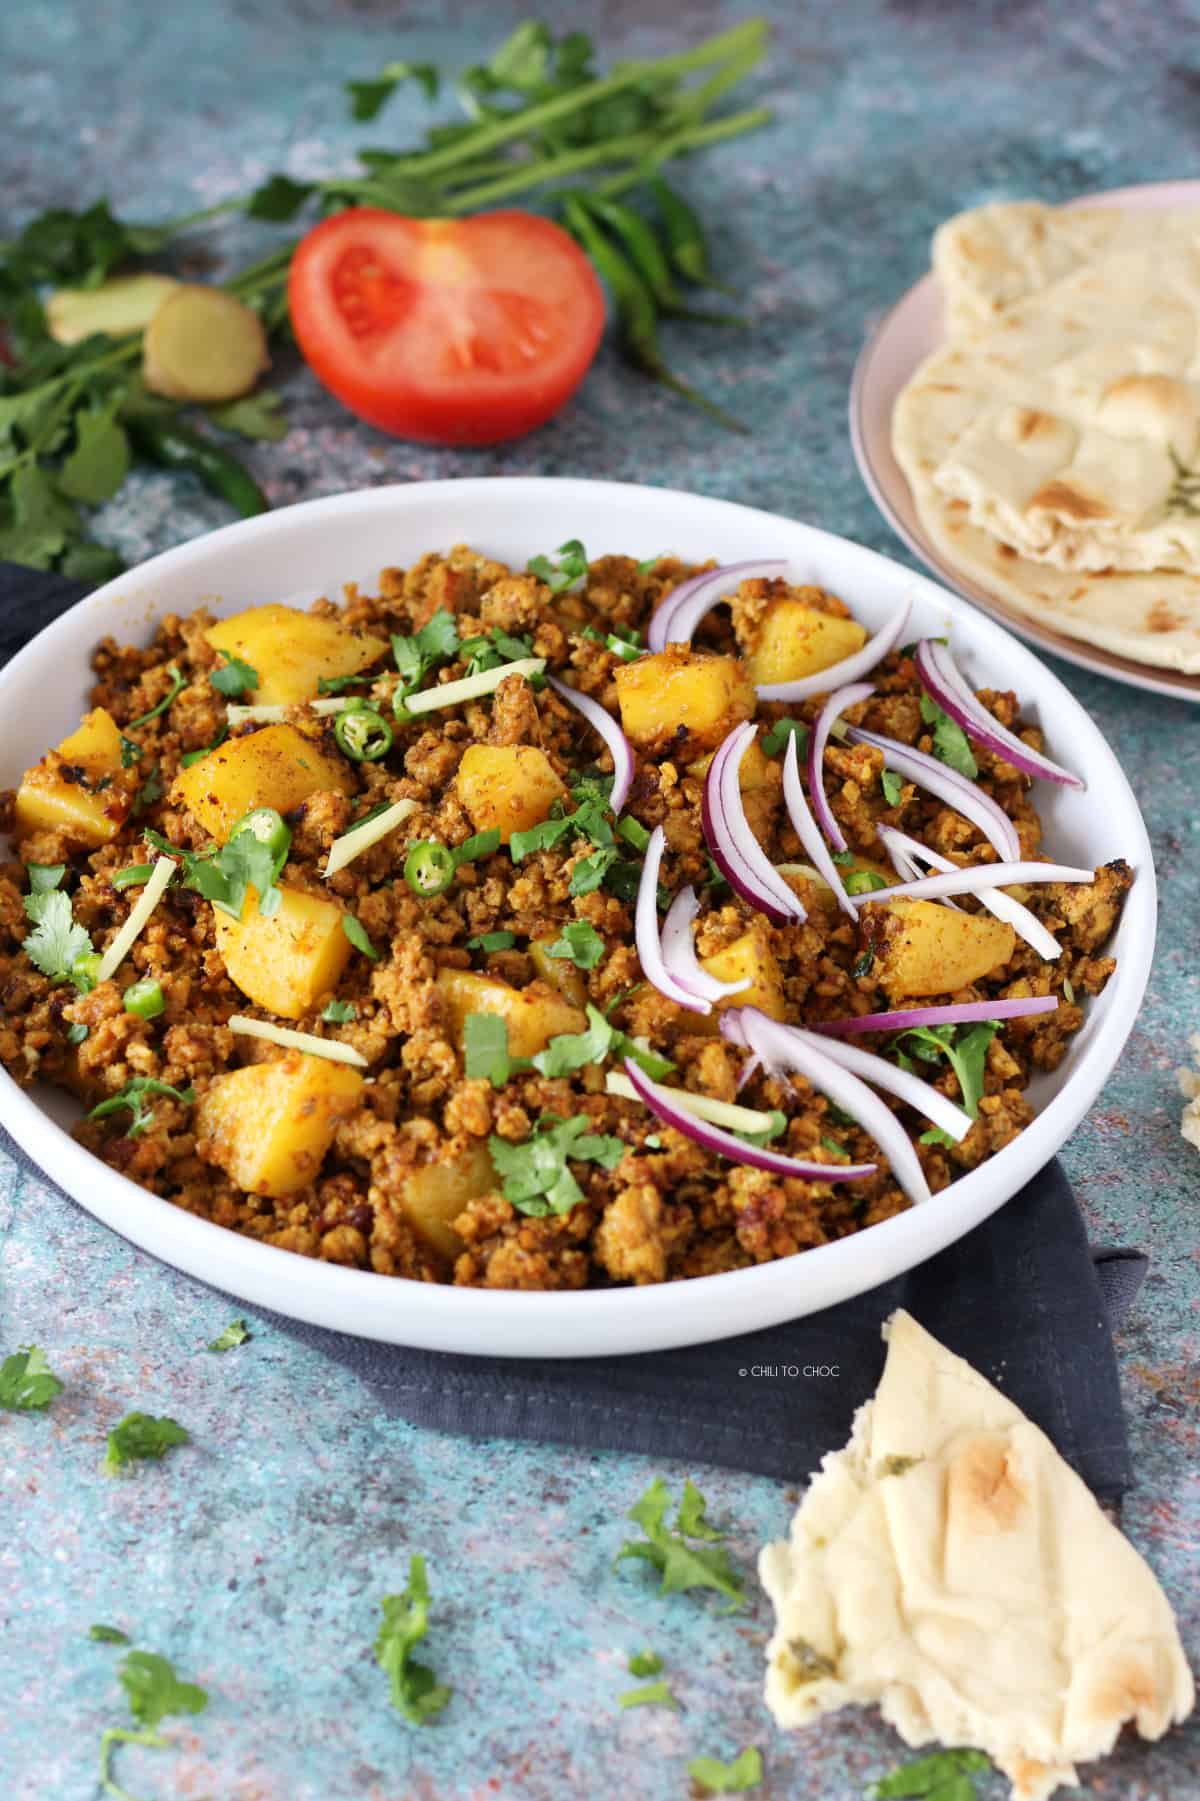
[649,949]
[618,745]
[954,694]
[979,878]
[949,786]
[806,827]
[850,669]
[724,1144]
[779,1046]
[1002,906]
[679,951]
[736,851]
[837,704]
[957,1013]
[936,1107]
[676,618]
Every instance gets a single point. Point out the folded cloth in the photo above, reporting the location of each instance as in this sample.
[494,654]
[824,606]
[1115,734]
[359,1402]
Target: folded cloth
[1022,1297]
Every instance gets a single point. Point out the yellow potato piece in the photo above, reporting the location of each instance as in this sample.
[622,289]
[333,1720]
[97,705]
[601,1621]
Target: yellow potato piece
[292,650]
[268,1126]
[433,1197]
[125,303]
[203,345]
[683,701]
[534,1015]
[560,972]
[795,640]
[748,956]
[286,961]
[276,766]
[67,796]
[507,787]
[926,949]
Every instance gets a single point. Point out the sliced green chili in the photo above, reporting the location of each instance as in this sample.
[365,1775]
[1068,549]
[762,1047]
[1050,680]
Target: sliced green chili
[362,733]
[267,826]
[173,446]
[134,876]
[145,999]
[429,868]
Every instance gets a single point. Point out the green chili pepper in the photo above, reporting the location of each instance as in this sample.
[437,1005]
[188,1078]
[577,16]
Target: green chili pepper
[635,309]
[429,868]
[362,732]
[265,824]
[145,999]
[646,255]
[685,236]
[174,446]
[85,970]
[134,877]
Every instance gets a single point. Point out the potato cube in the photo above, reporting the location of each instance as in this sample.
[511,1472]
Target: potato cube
[683,701]
[434,1196]
[795,640]
[509,787]
[535,1014]
[292,650]
[922,948]
[77,788]
[748,956]
[560,972]
[287,960]
[277,766]
[269,1125]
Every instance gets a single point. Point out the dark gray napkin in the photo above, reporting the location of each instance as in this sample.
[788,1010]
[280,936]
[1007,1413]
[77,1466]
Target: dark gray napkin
[1023,1298]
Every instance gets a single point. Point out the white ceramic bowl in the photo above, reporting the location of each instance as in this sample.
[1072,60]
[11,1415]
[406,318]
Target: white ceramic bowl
[311,549]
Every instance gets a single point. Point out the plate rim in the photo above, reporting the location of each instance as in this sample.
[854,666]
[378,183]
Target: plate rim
[502,1323]
[1127,671]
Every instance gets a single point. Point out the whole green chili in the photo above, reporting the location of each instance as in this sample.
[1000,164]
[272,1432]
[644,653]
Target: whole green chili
[174,446]
[685,236]
[646,254]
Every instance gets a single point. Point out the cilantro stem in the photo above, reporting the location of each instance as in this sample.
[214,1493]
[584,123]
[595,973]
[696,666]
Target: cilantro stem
[694,137]
[122,1735]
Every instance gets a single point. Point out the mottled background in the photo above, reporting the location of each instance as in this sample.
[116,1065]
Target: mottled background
[256,1556]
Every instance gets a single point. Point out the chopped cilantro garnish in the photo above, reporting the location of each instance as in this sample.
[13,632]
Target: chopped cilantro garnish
[337,684]
[130,752]
[234,677]
[27,1383]
[44,878]
[415,1690]
[535,1176]
[844,859]
[492,941]
[339,1013]
[485,1050]
[776,739]
[950,742]
[633,832]
[178,684]
[691,1518]
[834,1148]
[193,756]
[589,873]
[57,942]
[356,932]
[579,942]
[681,1565]
[653,1694]
[571,567]
[436,642]
[235,1334]
[481,845]
[133,1096]
[941,1776]
[492,649]
[574,1050]
[142,1435]
[154,1690]
[935,1135]
[964,1048]
[108,1635]
[892,785]
[644,1663]
[253,858]
[745,1772]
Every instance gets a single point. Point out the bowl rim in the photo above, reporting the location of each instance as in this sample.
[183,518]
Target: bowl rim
[594,1322]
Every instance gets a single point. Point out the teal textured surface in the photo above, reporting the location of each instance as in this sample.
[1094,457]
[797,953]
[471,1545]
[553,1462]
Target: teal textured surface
[256,1556]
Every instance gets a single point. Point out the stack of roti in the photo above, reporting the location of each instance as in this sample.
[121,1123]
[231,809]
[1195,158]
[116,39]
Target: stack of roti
[951,1567]
[1052,444]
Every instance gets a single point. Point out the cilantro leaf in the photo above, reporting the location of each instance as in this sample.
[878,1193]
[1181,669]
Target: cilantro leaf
[154,1690]
[234,677]
[681,1565]
[579,942]
[99,463]
[44,877]
[571,567]
[234,1334]
[535,1176]
[964,1048]
[745,1772]
[941,1776]
[339,1013]
[133,1096]
[248,861]
[57,941]
[644,1663]
[776,739]
[654,1694]
[492,941]
[108,1635]
[356,932]
[279,199]
[415,1690]
[892,785]
[575,1050]
[368,98]
[436,642]
[690,1519]
[950,742]
[485,1049]
[142,1435]
[27,1383]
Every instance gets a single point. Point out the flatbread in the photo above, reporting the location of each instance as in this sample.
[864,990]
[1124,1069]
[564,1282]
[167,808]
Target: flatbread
[949,1565]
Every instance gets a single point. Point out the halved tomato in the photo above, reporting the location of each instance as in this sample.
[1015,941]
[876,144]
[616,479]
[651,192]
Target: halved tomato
[449,331]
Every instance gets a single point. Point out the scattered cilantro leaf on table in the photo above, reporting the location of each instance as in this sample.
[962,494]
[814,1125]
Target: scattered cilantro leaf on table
[27,1383]
[690,1519]
[745,1772]
[154,1690]
[941,1776]
[108,1635]
[122,1735]
[950,742]
[140,1436]
[644,1663]
[681,1565]
[415,1690]
[235,1333]
[535,1175]
[653,1694]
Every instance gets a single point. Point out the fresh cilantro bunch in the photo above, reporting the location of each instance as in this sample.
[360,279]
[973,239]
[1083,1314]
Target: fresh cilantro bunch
[27,1383]
[964,1048]
[415,1690]
[535,1176]
[682,1565]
